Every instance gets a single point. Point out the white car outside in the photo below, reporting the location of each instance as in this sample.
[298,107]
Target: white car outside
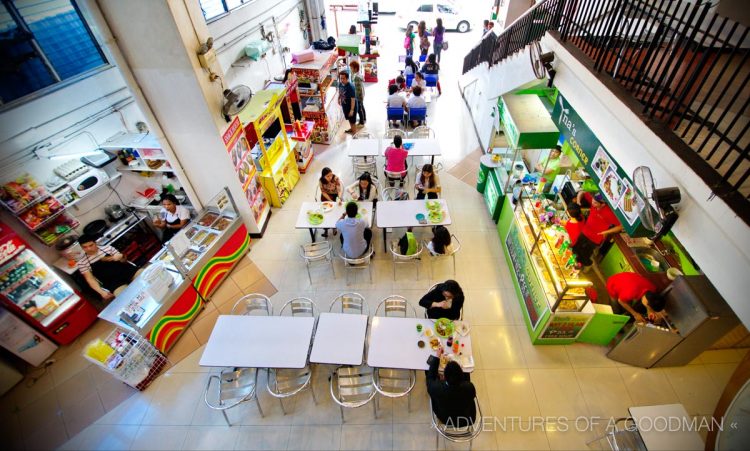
[414,12]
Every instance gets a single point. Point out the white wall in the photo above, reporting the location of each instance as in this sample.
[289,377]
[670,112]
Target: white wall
[235,30]
[713,235]
[100,104]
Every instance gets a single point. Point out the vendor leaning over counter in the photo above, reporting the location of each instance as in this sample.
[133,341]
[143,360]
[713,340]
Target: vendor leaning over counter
[637,296]
[550,166]
[172,217]
[600,225]
[104,268]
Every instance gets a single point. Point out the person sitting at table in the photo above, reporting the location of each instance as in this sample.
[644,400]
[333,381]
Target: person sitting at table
[416,101]
[401,83]
[364,189]
[355,235]
[445,301]
[330,190]
[428,183]
[407,245]
[418,81]
[172,217]
[453,398]
[104,268]
[395,101]
[440,244]
[410,67]
[431,67]
[637,296]
[395,160]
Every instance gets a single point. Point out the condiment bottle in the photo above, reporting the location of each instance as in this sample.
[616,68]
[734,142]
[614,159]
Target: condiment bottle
[455,347]
[449,343]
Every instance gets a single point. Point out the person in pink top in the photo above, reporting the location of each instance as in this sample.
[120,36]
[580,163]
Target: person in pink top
[395,160]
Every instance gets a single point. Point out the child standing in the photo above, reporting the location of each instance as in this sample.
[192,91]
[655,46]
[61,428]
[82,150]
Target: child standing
[359,91]
[409,41]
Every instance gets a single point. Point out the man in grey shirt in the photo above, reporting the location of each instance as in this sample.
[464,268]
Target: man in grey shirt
[355,235]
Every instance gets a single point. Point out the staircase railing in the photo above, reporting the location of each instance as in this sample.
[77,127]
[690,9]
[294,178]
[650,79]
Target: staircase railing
[685,64]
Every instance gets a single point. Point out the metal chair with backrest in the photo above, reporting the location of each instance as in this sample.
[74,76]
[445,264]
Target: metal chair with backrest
[317,252]
[363,164]
[300,307]
[253,304]
[456,433]
[455,246]
[399,258]
[360,263]
[397,176]
[395,305]
[350,302]
[625,438]
[395,193]
[422,132]
[352,387]
[235,386]
[461,316]
[393,132]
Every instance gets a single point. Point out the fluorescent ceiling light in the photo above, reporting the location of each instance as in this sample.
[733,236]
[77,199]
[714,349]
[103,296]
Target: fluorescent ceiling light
[45,153]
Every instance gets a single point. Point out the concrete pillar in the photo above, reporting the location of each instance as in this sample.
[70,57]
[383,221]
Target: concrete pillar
[159,41]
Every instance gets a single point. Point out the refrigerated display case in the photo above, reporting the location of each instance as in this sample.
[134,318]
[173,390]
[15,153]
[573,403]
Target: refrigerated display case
[552,291]
[34,292]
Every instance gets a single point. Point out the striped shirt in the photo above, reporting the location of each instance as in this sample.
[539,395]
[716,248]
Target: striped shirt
[84,264]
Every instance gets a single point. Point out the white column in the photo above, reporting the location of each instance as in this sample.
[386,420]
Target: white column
[159,41]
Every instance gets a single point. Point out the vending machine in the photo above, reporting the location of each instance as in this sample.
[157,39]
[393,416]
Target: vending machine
[32,291]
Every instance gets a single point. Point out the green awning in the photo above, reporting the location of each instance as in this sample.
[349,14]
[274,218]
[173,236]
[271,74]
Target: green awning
[527,123]
[349,42]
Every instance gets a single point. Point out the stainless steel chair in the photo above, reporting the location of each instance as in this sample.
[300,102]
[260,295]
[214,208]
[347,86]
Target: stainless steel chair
[393,383]
[253,304]
[455,246]
[623,438]
[300,307]
[320,251]
[393,132]
[456,433]
[460,318]
[350,303]
[363,134]
[399,258]
[352,387]
[359,263]
[234,386]
[285,382]
[402,178]
[421,132]
[394,193]
[361,165]
[395,305]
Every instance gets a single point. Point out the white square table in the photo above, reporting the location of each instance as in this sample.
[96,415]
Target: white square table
[420,147]
[403,213]
[339,339]
[366,147]
[654,424]
[259,342]
[393,344]
[330,217]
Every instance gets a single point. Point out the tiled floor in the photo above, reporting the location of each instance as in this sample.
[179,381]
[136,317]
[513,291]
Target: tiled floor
[535,396]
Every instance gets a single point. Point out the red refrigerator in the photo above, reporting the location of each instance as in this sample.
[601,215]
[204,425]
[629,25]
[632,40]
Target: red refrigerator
[32,291]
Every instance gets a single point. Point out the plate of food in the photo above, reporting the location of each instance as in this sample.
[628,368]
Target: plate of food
[433,205]
[327,206]
[434,344]
[314,217]
[444,327]
[435,216]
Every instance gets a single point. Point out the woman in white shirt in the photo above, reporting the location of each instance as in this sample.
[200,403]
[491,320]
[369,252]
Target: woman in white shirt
[364,189]
[172,217]
[418,81]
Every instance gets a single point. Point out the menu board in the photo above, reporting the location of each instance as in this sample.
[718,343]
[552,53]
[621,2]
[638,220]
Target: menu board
[612,180]
[531,290]
[565,325]
[239,151]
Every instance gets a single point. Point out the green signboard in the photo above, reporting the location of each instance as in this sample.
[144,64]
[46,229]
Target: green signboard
[613,182]
[565,325]
[533,295]
[526,122]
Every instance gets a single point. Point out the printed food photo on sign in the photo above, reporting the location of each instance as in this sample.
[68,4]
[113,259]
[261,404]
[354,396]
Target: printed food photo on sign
[244,172]
[602,162]
[612,186]
[631,203]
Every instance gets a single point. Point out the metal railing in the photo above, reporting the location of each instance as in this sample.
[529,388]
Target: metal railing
[686,65]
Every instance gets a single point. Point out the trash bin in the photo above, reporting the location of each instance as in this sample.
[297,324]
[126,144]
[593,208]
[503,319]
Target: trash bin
[482,177]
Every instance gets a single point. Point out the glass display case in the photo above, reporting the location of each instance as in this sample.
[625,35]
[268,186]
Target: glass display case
[540,222]
[186,250]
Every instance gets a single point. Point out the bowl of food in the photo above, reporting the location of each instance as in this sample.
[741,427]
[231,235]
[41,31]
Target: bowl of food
[434,344]
[433,205]
[315,217]
[327,206]
[435,216]
[420,344]
[444,327]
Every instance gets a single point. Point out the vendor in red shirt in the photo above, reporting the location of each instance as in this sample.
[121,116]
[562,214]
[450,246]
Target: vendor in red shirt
[575,223]
[637,295]
[600,224]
